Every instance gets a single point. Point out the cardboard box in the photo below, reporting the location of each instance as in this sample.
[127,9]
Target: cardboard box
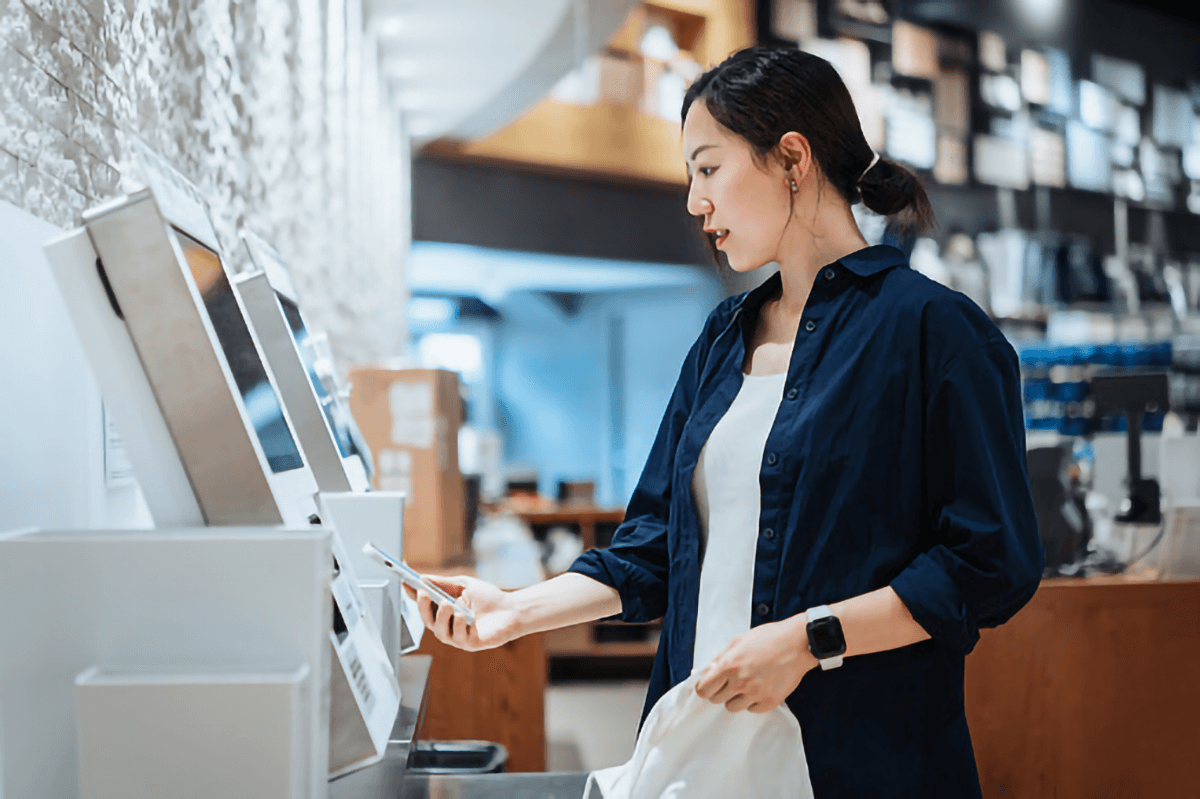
[620,80]
[410,419]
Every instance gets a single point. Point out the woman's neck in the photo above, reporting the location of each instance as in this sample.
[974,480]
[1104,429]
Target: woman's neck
[811,242]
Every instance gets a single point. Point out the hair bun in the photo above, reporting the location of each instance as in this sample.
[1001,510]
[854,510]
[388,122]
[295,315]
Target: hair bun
[889,189]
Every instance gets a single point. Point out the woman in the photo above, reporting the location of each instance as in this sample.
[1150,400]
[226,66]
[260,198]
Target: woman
[848,436]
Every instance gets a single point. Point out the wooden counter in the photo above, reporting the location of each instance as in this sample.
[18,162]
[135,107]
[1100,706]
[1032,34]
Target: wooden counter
[495,695]
[1092,690]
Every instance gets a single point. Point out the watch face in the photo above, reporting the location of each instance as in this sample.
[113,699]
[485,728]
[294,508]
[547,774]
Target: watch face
[825,639]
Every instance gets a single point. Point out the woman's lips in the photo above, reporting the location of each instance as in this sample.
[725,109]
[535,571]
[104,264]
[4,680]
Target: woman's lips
[721,240]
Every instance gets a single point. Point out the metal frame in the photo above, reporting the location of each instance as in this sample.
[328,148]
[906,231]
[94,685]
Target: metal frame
[139,274]
[262,293]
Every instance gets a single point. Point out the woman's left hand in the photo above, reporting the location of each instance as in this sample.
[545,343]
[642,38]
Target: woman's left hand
[760,668]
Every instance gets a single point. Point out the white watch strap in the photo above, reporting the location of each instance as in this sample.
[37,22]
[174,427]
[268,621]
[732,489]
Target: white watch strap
[821,612]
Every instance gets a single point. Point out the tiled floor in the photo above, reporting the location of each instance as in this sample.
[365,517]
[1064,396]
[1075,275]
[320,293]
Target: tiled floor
[591,725]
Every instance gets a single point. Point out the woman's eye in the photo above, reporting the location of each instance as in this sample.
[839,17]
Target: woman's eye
[706,170]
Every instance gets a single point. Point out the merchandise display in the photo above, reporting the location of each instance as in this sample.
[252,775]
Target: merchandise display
[1088,158]
[1047,157]
[1001,162]
[1126,79]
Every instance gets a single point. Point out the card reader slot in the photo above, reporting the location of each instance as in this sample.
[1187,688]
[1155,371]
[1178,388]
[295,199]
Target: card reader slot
[339,624]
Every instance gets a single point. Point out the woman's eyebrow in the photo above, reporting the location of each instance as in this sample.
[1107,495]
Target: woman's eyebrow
[700,149]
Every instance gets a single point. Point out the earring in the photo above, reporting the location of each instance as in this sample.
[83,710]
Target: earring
[795,188]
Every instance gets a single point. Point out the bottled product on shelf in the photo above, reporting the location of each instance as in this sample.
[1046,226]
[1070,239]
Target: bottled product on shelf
[1056,383]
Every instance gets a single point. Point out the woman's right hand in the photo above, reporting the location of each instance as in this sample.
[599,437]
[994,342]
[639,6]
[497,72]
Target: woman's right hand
[496,617]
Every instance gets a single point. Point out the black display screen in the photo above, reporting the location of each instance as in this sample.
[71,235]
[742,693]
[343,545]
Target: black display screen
[825,637]
[328,406]
[259,397]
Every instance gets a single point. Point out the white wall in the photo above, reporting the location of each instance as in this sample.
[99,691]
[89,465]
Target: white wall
[275,108]
[51,434]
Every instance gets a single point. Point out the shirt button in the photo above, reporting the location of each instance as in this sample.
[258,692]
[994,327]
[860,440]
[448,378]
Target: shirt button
[762,609]
[830,274]
[769,533]
[792,393]
[771,459]
[810,325]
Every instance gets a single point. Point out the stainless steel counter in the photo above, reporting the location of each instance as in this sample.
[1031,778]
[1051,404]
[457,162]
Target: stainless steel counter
[383,780]
[387,779]
[496,786]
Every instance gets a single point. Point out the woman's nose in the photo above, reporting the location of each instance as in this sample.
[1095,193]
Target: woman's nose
[696,205]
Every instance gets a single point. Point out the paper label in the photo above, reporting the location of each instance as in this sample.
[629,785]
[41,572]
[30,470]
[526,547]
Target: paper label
[395,473]
[118,471]
[411,406]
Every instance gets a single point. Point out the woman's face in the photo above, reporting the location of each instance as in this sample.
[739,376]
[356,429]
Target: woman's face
[746,203]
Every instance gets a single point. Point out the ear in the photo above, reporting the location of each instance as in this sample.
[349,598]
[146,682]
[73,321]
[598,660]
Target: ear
[795,155]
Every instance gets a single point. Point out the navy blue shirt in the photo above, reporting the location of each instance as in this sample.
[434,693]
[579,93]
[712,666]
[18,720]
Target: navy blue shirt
[897,457]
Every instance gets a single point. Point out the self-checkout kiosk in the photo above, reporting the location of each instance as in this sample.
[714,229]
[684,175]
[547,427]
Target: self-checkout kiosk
[229,651]
[330,439]
[273,309]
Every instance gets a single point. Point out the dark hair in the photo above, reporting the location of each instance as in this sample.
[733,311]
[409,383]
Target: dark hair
[761,93]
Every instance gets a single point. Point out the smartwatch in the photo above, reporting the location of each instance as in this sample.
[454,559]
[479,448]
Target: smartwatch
[825,638]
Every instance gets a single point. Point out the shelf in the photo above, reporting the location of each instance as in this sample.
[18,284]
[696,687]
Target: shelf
[585,518]
[567,515]
[612,140]
[579,641]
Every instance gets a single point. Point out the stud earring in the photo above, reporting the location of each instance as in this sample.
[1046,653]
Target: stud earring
[795,188]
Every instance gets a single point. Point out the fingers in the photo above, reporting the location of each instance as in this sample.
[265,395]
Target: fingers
[427,608]
[709,683]
[737,703]
[717,688]
[443,621]
[727,692]
[437,617]
[462,634]
[719,683]
[723,685]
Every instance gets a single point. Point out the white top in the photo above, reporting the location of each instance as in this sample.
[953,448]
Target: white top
[690,746]
[728,501]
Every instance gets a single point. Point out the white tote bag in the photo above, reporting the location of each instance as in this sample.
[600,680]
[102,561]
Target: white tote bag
[691,748]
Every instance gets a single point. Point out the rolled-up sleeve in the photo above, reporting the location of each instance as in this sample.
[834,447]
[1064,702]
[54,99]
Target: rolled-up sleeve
[637,563]
[983,560]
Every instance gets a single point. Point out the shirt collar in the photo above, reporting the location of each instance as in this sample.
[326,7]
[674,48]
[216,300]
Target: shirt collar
[873,260]
[866,262]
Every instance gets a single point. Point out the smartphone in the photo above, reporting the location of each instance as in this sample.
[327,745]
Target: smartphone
[417,582]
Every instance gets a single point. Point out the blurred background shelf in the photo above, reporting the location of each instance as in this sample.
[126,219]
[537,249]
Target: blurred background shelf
[592,640]
[615,116]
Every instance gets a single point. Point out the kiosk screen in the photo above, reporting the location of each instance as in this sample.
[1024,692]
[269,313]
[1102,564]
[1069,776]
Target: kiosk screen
[259,396]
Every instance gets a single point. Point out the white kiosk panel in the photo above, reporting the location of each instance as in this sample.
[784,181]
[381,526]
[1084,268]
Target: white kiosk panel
[202,365]
[270,301]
